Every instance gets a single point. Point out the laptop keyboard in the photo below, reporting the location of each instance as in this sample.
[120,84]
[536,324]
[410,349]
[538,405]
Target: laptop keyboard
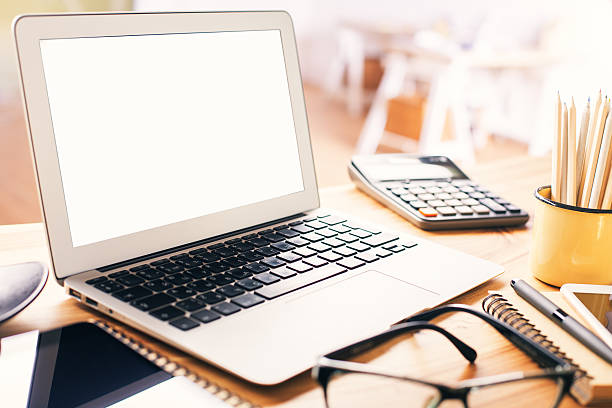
[202,285]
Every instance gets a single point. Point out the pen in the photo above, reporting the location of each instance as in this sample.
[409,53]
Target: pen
[567,322]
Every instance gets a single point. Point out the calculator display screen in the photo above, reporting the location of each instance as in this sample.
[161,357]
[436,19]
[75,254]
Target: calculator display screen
[400,167]
[600,306]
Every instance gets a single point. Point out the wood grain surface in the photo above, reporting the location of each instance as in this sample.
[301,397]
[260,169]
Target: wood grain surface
[426,355]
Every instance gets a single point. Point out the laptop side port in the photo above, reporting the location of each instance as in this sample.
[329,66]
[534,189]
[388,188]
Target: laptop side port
[74,293]
[91,302]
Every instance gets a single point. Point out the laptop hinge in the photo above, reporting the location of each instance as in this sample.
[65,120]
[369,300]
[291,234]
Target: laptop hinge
[193,244]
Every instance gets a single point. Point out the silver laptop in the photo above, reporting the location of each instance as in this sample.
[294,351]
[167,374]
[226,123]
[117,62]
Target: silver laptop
[179,194]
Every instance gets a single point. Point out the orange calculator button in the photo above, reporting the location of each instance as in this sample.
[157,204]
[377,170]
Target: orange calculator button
[428,212]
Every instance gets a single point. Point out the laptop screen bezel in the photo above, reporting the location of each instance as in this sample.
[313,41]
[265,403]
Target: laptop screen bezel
[68,260]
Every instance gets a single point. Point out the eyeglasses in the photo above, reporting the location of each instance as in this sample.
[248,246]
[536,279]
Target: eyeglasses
[350,384]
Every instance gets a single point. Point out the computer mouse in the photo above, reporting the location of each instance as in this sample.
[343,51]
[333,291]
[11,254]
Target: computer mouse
[19,286]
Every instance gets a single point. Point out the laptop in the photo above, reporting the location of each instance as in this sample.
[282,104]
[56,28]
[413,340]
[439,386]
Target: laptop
[179,193]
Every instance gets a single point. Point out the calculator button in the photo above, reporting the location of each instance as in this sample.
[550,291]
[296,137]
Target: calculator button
[481,189]
[408,197]
[427,184]
[450,189]
[434,190]
[454,202]
[477,194]
[495,207]
[399,191]
[461,183]
[491,195]
[467,189]
[392,184]
[418,204]
[464,210]
[443,184]
[513,208]
[502,201]
[436,203]
[417,190]
[470,202]
[444,196]
[480,209]
[446,210]
[428,212]
[460,196]
[426,197]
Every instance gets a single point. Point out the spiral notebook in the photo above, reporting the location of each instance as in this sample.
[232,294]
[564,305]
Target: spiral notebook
[508,307]
[172,367]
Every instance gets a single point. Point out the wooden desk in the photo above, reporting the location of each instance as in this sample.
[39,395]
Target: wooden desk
[423,354]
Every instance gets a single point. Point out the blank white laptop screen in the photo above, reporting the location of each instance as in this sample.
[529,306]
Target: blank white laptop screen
[156,129]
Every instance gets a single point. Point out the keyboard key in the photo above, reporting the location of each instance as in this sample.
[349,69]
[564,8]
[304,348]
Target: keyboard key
[233,241]
[170,268]
[273,237]
[160,262]
[288,233]
[300,281]
[300,267]
[298,241]
[136,292]
[216,246]
[397,248]
[289,257]
[327,233]
[302,229]
[181,292]
[205,316]
[191,304]
[96,280]
[197,251]
[197,273]
[152,302]
[208,257]
[150,274]
[167,313]
[428,212]
[249,284]
[358,246]
[340,229]
[316,225]
[257,268]
[216,267]
[266,278]
[344,251]
[333,242]
[294,223]
[305,252]
[220,280]
[383,253]
[480,209]
[201,286]
[360,233]
[251,256]
[330,256]
[109,286]
[259,242]
[351,263]
[319,247]
[313,237]
[273,262]
[239,273]
[248,300]
[184,324]
[158,285]
[283,272]
[230,291]
[315,261]
[367,257]
[332,220]
[130,280]
[189,262]
[179,256]
[282,246]
[380,239]
[464,210]
[234,262]
[348,238]
[226,308]
[446,211]
[493,206]
[139,268]
[178,279]
[243,247]
[267,251]
[266,231]
[210,298]
[117,274]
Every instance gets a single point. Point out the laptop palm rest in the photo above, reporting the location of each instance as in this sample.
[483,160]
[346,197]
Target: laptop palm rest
[350,309]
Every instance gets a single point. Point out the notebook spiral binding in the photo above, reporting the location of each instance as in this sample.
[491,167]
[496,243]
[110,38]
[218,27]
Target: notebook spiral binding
[174,369]
[499,307]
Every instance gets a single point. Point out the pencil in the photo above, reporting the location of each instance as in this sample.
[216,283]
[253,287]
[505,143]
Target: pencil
[607,200]
[571,157]
[588,148]
[555,187]
[594,156]
[580,151]
[563,159]
[598,180]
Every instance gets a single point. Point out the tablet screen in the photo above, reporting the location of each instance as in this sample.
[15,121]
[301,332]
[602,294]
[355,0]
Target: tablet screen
[600,306]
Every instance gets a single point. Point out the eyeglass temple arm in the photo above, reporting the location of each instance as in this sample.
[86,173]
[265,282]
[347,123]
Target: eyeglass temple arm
[538,353]
[356,348]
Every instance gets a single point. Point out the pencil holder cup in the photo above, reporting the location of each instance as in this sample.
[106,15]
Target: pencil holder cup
[570,244]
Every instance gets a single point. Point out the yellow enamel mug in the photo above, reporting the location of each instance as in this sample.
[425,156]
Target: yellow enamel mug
[570,244]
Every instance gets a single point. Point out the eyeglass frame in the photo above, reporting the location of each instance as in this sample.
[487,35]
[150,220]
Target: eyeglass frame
[554,367]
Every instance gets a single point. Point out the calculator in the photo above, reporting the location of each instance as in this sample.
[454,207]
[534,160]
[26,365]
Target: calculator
[432,192]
